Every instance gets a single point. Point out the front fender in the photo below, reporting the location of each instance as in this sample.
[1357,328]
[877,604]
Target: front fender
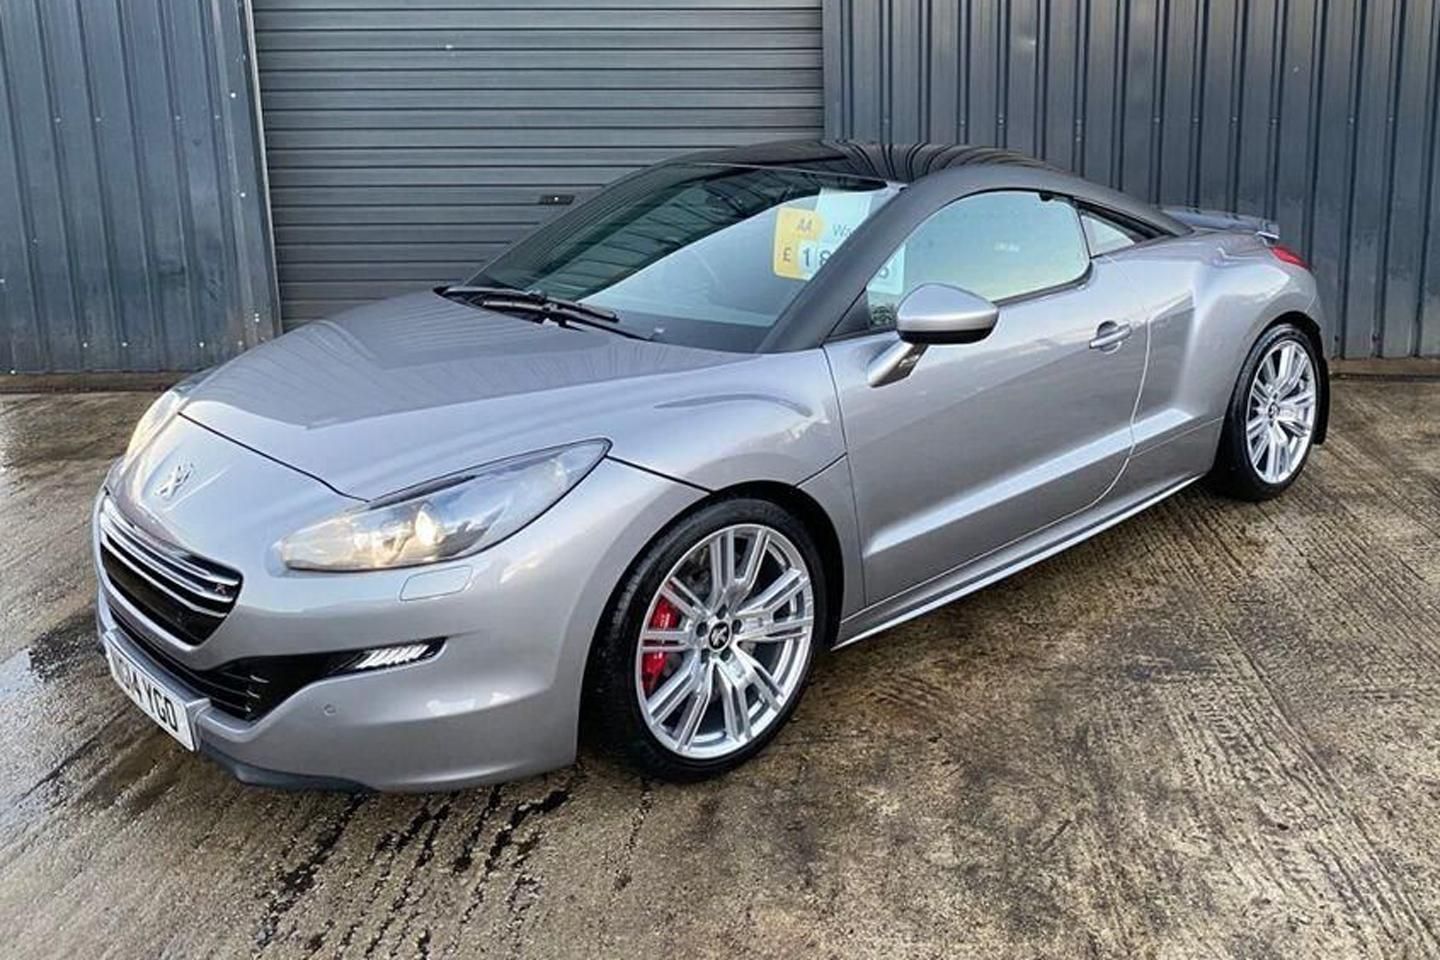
[772,417]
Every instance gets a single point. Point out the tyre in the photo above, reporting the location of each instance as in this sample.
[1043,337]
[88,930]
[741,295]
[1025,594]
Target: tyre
[709,642]
[1270,422]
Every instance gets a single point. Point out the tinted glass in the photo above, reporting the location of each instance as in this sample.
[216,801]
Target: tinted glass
[999,245]
[1106,236]
[707,256]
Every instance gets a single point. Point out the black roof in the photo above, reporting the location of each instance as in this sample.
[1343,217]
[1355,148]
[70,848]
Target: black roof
[896,162]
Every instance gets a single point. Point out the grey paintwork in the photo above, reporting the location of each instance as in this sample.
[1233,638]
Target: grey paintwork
[986,457]
[501,699]
[397,393]
[936,313]
[1028,422]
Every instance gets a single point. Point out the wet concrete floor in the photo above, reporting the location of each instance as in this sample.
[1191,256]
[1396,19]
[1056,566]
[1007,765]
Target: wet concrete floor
[1211,731]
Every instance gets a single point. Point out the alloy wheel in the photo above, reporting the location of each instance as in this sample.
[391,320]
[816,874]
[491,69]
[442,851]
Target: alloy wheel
[725,642]
[1280,416]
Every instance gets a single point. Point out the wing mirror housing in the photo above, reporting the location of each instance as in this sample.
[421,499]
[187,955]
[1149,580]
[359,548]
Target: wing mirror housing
[934,313]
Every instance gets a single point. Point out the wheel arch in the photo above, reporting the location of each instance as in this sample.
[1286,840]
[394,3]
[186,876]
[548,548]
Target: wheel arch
[817,521]
[800,504]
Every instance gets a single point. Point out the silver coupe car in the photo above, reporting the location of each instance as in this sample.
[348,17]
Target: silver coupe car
[630,478]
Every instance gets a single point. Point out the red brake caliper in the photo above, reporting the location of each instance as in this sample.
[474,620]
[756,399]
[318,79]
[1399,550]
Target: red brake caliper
[665,617]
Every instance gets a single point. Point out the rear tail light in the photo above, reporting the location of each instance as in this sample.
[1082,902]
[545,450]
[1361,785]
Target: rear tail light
[1285,255]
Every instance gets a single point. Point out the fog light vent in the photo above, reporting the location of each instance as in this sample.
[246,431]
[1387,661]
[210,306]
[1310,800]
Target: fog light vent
[393,656]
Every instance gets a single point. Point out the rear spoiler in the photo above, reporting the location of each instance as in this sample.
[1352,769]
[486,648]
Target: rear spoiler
[1207,220]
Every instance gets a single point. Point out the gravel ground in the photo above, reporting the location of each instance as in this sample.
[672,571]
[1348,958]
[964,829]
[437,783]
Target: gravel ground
[1211,731]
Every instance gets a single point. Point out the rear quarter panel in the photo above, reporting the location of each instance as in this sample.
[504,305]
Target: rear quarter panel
[1208,297]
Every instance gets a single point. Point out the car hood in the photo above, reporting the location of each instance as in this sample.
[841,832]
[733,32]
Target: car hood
[402,391]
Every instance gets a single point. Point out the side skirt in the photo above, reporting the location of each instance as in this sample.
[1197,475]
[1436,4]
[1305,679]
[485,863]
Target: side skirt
[958,583]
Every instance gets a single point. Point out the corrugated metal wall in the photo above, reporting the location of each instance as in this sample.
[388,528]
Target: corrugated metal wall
[1318,113]
[408,142]
[133,230]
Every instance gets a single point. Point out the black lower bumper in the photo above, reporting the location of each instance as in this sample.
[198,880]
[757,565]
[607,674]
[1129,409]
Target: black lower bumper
[277,779]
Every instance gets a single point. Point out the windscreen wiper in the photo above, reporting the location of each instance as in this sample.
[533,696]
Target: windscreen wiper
[534,300]
[537,302]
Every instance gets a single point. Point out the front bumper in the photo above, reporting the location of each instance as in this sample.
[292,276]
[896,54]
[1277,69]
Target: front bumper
[501,699]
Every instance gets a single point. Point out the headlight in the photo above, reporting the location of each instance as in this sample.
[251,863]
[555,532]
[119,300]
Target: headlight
[451,517]
[162,411]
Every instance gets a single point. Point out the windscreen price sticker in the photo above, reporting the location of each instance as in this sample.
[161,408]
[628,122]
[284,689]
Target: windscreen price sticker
[797,237]
[805,238]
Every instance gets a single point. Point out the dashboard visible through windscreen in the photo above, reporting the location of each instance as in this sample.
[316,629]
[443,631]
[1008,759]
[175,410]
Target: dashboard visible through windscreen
[696,254]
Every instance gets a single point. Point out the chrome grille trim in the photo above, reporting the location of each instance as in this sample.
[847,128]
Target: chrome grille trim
[184,594]
[201,578]
[124,557]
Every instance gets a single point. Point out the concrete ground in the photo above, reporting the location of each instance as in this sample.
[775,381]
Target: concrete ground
[1211,731]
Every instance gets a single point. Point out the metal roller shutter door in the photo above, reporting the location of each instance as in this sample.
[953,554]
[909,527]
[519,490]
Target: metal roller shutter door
[406,143]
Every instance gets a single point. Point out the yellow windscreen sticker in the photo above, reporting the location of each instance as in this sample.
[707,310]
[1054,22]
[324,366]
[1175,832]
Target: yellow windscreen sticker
[796,231]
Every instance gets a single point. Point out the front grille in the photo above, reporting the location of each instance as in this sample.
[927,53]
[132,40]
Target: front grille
[246,689]
[186,595]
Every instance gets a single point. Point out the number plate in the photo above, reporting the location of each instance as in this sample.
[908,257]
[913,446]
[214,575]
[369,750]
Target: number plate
[159,701]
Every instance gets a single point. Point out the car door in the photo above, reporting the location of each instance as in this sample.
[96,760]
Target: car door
[984,443]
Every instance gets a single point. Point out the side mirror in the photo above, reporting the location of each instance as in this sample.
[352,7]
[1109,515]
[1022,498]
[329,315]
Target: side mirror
[938,313]
[934,313]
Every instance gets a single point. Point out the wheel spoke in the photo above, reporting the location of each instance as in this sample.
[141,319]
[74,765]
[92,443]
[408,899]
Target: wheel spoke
[1306,394]
[761,679]
[754,559]
[683,598]
[1282,369]
[784,589]
[1296,425]
[1280,454]
[1271,371]
[722,566]
[1259,447]
[1295,409]
[653,640]
[699,702]
[1299,367]
[674,692]
[736,706]
[778,631]
[1285,369]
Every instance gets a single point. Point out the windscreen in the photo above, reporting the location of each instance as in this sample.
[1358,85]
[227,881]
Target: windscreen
[702,255]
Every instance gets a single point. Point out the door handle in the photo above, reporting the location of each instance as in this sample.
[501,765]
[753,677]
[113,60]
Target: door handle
[1110,335]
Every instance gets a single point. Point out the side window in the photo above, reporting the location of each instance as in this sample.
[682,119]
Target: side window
[999,245]
[1106,235]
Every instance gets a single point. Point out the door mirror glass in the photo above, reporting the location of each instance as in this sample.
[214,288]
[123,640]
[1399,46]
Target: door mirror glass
[940,313]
